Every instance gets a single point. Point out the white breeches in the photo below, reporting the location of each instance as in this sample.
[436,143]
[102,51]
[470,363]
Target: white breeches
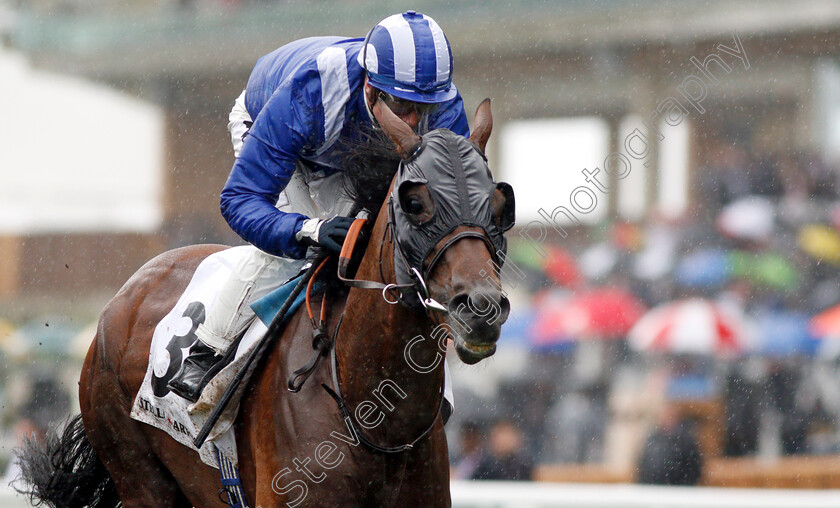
[256,275]
[237,123]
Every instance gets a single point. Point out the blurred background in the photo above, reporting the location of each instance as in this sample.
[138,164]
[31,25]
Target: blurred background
[676,307]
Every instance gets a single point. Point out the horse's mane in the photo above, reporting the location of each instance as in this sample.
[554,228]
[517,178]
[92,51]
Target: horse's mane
[370,164]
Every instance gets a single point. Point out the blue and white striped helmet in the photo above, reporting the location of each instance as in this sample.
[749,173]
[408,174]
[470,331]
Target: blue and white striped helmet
[408,56]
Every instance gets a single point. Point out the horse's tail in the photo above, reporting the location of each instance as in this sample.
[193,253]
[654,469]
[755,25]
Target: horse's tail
[64,471]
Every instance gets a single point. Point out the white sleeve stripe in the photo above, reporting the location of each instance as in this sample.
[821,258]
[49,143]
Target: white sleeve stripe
[402,39]
[372,59]
[335,91]
[441,50]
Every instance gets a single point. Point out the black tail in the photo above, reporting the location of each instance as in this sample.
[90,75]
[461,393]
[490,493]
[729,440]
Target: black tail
[64,471]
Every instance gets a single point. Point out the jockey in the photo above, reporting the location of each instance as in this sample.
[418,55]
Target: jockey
[284,193]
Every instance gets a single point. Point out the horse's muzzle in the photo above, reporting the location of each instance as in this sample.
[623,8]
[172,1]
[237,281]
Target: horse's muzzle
[478,316]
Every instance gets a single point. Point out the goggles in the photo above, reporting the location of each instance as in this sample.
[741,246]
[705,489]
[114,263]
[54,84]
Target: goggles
[403,107]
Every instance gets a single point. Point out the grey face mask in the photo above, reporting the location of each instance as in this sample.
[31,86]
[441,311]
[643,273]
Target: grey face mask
[456,175]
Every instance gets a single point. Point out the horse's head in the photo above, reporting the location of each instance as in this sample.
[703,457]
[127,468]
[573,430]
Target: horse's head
[448,218]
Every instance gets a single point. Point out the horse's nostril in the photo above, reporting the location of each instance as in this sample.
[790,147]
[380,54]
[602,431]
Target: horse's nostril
[480,308]
[459,303]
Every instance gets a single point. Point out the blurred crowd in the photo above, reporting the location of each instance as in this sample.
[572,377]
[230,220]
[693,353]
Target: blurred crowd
[649,347]
[43,403]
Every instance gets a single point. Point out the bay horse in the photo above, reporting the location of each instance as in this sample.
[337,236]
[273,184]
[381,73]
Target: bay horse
[386,448]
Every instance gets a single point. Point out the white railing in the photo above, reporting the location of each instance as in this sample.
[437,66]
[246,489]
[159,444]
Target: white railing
[556,495]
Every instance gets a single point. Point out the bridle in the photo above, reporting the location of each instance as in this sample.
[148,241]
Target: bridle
[419,287]
[411,287]
[410,267]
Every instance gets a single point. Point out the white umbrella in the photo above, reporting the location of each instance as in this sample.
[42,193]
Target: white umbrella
[749,218]
[657,258]
[597,261]
[692,326]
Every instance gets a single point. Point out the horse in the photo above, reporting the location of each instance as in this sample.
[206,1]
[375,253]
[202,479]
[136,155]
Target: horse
[382,445]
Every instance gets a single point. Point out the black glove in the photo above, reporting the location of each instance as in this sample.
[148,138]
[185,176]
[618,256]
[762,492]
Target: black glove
[328,234]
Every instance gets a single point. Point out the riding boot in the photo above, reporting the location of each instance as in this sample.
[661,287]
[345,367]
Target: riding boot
[195,372]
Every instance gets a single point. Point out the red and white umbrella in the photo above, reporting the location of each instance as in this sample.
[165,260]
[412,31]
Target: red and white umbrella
[693,326]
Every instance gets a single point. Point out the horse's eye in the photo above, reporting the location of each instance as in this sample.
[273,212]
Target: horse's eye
[416,202]
[414,206]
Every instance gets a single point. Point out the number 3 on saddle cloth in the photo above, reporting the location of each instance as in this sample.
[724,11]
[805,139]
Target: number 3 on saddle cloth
[155,405]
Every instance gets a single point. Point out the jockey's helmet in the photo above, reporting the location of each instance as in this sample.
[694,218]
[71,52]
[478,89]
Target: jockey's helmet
[408,56]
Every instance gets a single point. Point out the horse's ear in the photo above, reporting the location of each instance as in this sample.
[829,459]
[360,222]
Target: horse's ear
[400,132]
[483,125]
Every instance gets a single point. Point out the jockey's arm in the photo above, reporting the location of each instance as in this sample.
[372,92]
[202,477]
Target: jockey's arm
[279,135]
[268,159]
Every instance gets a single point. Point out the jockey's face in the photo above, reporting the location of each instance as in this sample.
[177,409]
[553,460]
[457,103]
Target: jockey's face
[409,112]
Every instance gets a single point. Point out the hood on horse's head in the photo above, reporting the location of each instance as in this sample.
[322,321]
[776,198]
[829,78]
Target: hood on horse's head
[462,187]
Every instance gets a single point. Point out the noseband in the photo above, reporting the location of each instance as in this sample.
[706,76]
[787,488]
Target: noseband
[418,285]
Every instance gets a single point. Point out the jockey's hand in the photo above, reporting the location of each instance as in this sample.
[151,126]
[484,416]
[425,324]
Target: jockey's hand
[328,234]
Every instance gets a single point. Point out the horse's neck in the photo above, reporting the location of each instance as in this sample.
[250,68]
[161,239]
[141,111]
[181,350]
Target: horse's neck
[371,352]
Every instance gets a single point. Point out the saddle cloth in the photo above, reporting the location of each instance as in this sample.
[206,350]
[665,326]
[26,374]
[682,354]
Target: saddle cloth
[155,405]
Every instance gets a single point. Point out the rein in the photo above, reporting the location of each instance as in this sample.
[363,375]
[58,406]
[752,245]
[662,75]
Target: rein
[320,340]
[418,285]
